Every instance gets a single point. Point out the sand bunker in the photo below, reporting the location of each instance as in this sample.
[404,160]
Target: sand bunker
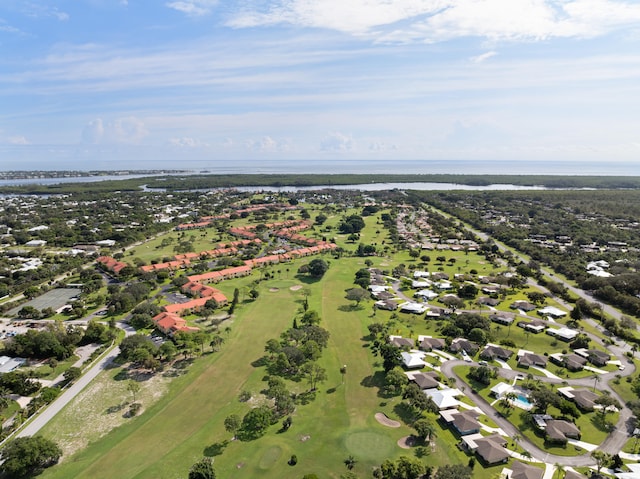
[407,442]
[385,421]
[296,287]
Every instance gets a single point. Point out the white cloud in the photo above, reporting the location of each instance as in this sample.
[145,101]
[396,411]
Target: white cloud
[43,11]
[5,27]
[266,144]
[353,16]
[194,8]
[401,21]
[18,140]
[186,142]
[336,141]
[128,130]
[483,57]
[380,146]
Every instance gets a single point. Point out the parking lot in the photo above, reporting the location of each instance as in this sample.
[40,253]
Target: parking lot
[56,299]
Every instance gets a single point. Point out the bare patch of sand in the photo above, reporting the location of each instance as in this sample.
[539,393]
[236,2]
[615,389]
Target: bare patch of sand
[385,421]
[274,290]
[407,442]
[296,287]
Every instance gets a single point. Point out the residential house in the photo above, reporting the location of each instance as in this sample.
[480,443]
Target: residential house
[491,450]
[463,344]
[595,357]
[492,351]
[572,361]
[402,343]
[552,311]
[444,398]
[558,430]
[522,305]
[520,470]
[412,360]
[502,318]
[171,323]
[563,334]
[426,380]
[584,399]
[429,344]
[535,326]
[464,423]
[487,301]
[530,359]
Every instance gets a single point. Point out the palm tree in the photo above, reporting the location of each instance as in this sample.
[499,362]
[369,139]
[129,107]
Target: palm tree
[350,462]
[596,380]
[516,439]
[559,469]
[216,342]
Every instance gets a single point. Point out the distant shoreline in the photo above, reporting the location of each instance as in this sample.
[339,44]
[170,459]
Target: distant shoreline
[154,181]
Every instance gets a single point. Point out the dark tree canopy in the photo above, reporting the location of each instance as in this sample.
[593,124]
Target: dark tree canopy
[203,469]
[26,457]
[318,267]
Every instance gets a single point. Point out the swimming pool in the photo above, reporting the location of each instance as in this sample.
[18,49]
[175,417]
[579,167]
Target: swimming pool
[522,402]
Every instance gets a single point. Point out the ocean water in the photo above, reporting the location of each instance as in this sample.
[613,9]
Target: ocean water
[473,167]
[379,167]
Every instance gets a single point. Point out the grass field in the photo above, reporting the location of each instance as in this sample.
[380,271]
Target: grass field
[187,421]
[183,418]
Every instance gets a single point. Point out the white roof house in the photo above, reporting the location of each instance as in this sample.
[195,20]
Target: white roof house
[413,308]
[501,389]
[421,274]
[375,288]
[566,334]
[552,311]
[424,283]
[413,360]
[444,398]
[426,294]
[35,243]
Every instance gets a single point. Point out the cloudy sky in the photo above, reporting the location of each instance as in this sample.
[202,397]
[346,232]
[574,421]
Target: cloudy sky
[95,84]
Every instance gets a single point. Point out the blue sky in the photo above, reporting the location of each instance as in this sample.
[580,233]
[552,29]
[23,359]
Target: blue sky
[100,84]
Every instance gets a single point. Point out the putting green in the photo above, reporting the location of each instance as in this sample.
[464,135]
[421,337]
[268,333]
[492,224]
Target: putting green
[270,457]
[369,445]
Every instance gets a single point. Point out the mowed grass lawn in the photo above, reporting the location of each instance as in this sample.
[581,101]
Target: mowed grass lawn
[180,428]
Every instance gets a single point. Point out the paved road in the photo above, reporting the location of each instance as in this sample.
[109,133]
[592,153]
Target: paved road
[56,406]
[612,444]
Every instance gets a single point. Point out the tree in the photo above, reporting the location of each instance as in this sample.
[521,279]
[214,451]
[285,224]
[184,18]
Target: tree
[395,380]
[318,267]
[603,459]
[134,388]
[343,372]
[391,356]
[203,469]
[543,398]
[357,295]
[350,462]
[72,374]
[403,468]
[255,422]
[216,342]
[453,471]
[26,457]
[425,428]
[232,424]
[315,374]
